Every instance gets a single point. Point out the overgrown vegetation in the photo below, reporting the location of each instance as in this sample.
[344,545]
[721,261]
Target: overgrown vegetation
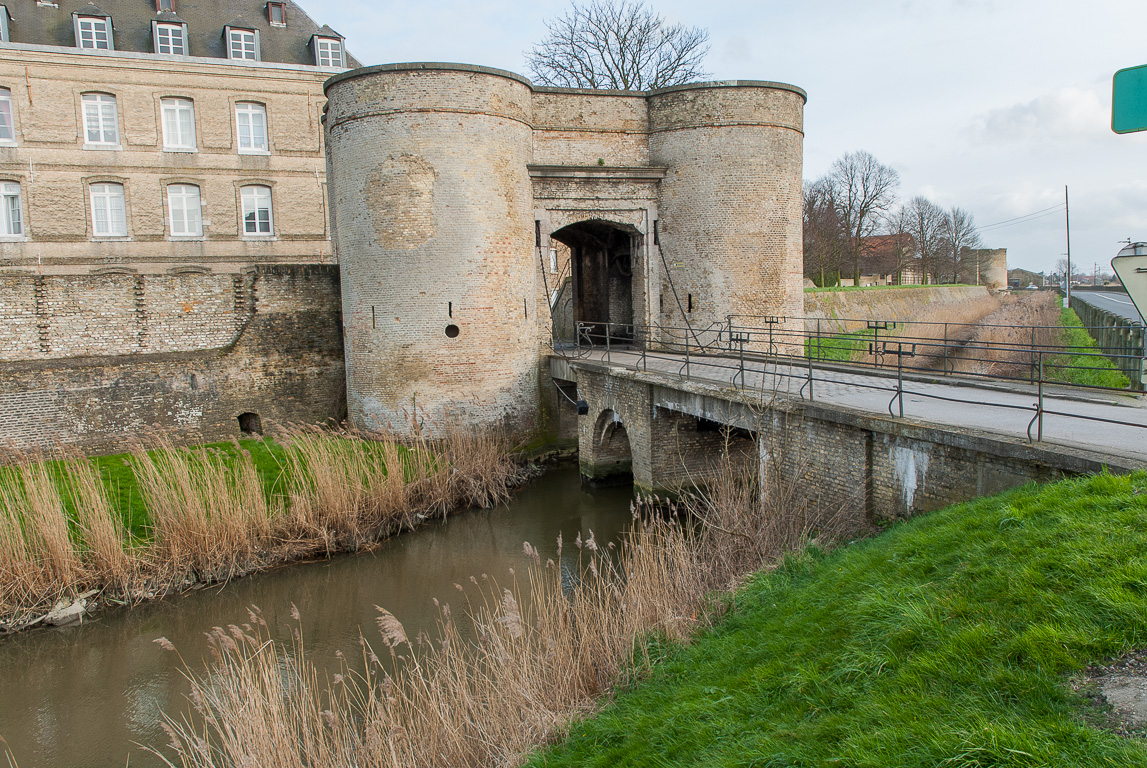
[1003,345]
[843,288]
[548,645]
[946,641]
[1083,365]
[162,518]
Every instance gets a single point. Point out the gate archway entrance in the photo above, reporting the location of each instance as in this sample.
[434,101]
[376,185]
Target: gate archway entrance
[602,256]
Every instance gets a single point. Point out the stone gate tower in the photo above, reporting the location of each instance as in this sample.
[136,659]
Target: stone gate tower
[471,209]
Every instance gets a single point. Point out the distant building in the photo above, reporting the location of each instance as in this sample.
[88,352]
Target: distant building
[1022,278]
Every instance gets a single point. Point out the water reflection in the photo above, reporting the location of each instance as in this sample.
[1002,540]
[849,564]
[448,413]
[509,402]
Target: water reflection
[86,696]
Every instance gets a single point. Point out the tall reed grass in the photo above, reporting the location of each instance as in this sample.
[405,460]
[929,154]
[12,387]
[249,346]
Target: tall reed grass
[537,651]
[213,517]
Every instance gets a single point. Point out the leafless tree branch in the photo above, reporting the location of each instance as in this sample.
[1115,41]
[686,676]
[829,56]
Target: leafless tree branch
[617,44]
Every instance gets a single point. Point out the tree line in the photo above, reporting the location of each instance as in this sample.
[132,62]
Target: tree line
[854,224]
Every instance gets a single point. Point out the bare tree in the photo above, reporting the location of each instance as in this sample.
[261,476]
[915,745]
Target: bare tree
[924,221]
[617,44]
[960,236]
[863,189]
[824,236]
[902,247]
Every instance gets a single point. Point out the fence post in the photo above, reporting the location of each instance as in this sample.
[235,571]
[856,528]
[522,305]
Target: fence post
[1039,433]
[1031,377]
[809,358]
[608,359]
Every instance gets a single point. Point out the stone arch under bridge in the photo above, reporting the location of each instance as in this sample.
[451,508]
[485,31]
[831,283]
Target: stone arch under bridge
[669,450]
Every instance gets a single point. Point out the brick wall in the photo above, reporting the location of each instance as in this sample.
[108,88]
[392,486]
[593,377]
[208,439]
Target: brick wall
[286,365]
[828,459]
[58,316]
[435,229]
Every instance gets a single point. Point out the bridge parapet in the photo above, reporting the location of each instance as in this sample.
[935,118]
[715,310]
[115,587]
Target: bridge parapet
[830,456]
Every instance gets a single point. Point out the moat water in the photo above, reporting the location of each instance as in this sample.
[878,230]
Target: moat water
[90,695]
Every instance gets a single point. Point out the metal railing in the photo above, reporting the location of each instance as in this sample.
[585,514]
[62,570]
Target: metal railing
[786,348]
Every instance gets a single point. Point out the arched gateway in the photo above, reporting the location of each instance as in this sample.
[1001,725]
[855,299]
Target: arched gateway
[474,215]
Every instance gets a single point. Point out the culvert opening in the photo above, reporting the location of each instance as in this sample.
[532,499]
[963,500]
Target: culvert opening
[250,424]
[452,331]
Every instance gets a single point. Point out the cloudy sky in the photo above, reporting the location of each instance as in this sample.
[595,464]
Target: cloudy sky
[990,105]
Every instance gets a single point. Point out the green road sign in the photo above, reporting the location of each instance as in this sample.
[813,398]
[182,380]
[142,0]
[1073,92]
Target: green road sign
[1129,100]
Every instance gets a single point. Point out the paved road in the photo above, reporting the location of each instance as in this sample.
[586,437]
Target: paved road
[1113,301]
[1004,410]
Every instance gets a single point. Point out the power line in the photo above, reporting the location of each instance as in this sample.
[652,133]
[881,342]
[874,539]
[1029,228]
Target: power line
[1022,219]
[1055,207]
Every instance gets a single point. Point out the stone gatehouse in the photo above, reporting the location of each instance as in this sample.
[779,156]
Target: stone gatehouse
[475,214]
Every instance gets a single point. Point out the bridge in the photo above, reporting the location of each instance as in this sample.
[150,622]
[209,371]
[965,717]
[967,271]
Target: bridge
[880,436]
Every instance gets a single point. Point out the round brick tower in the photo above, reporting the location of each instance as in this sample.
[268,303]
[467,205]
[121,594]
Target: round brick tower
[730,204]
[432,222]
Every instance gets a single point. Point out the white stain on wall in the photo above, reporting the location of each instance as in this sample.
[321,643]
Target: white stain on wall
[910,467]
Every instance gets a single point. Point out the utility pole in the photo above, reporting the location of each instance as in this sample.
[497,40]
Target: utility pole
[1067,278]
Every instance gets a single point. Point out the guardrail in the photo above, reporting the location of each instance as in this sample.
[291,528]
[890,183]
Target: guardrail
[1120,339]
[781,347]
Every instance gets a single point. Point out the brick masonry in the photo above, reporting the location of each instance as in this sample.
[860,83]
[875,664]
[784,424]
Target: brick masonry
[448,181]
[832,459]
[285,364]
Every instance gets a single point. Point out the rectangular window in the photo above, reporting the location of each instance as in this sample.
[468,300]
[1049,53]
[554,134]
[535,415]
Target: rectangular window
[277,14]
[178,123]
[256,210]
[93,32]
[11,222]
[328,52]
[109,213]
[251,122]
[185,210]
[7,123]
[164,6]
[242,44]
[4,18]
[101,124]
[169,39]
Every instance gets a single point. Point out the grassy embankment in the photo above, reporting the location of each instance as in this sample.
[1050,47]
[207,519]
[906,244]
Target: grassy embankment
[946,641]
[1080,366]
[142,524]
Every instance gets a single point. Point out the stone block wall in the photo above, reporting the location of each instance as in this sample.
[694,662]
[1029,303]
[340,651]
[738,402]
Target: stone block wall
[285,365]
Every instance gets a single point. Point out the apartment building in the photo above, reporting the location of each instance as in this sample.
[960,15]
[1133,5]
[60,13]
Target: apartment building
[162,135]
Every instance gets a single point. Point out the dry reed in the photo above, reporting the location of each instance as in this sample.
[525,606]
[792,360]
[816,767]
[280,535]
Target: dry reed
[542,653]
[1002,344]
[212,519]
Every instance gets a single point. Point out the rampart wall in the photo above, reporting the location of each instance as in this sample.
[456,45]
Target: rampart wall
[277,354]
[901,304]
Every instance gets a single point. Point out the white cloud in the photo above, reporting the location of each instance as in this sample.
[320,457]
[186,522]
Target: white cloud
[1071,113]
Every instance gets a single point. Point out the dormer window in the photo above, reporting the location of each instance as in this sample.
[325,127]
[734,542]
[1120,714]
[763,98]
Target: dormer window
[328,51]
[169,37]
[242,43]
[94,32]
[4,24]
[277,14]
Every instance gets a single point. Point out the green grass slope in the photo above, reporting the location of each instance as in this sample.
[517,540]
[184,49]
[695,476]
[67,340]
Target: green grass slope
[945,641]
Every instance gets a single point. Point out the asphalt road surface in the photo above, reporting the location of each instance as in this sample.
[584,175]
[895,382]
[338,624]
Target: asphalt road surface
[1112,301]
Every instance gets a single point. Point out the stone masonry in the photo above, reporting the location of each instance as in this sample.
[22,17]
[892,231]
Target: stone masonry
[450,184]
